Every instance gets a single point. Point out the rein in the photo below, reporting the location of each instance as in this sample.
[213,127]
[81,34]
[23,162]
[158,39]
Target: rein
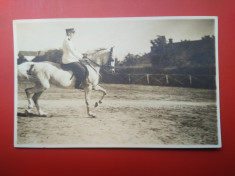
[108,66]
[105,66]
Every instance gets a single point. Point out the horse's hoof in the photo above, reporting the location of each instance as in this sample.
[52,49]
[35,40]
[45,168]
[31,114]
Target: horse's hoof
[96,104]
[43,114]
[27,112]
[92,115]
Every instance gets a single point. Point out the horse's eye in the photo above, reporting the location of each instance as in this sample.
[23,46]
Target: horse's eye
[112,60]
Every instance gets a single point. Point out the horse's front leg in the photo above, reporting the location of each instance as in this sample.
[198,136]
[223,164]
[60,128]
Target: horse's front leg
[87,99]
[98,88]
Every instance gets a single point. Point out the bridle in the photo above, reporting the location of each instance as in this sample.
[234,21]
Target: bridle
[107,65]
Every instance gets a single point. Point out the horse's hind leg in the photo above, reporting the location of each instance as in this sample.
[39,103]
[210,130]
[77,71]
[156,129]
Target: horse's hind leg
[29,93]
[98,88]
[33,95]
[35,99]
[35,92]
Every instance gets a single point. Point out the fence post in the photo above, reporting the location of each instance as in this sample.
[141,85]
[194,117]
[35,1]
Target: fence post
[190,80]
[167,79]
[129,78]
[147,78]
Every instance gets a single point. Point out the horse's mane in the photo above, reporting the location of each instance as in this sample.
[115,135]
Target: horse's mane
[96,52]
[100,49]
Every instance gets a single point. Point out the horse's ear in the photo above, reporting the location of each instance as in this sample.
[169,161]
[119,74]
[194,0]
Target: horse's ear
[111,54]
[111,49]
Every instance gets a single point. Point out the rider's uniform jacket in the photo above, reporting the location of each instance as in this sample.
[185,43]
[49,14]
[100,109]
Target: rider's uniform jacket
[69,53]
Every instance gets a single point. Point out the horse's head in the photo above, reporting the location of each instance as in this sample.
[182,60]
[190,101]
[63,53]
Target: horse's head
[104,59]
[111,61]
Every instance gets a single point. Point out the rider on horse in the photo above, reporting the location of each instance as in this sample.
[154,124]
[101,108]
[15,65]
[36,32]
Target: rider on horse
[71,59]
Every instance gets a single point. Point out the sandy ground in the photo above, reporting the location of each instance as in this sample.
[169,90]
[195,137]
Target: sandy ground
[131,115]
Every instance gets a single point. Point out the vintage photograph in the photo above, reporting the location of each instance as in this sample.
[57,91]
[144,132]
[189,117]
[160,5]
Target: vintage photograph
[143,82]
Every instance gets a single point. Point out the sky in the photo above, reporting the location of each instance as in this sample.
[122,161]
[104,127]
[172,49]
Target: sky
[127,35]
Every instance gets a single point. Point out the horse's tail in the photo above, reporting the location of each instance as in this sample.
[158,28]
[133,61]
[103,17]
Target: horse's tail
[24,70]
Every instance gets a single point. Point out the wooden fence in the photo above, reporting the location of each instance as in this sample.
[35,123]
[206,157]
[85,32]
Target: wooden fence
[183,80]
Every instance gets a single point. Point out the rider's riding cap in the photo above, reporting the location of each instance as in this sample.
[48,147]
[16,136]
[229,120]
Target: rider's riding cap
[70,30]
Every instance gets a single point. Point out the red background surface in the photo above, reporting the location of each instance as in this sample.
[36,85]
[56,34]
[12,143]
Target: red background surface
[117,161]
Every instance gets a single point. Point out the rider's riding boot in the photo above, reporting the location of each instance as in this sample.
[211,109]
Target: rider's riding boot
[78,84]
[80,75]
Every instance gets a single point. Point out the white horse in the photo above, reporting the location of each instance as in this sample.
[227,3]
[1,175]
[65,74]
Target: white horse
[43,74]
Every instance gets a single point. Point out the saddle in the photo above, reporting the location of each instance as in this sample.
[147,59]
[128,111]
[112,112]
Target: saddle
[75,71]
[79,70]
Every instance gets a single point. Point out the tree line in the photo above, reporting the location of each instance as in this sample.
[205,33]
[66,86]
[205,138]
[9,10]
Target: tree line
[184,56]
